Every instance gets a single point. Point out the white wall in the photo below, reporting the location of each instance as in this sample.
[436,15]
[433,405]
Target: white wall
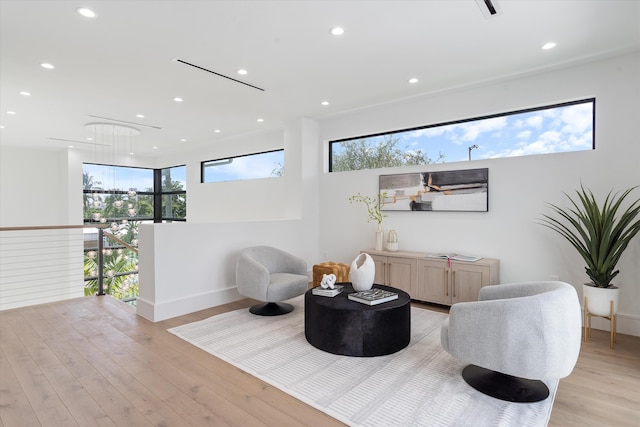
[39,188]
[34,188]
[185,267]
[518,187]
[188,267]
[323,225]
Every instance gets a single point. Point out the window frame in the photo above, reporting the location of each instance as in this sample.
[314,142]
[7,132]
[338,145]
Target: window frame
[156,194]
[591,100]
[228,160]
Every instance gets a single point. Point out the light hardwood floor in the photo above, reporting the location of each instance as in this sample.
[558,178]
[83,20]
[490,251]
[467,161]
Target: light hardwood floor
[92,361]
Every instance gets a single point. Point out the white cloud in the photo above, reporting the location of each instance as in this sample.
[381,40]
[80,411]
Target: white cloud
[429,132]
[525,134]
[534,121]
[577,118]
[472,130]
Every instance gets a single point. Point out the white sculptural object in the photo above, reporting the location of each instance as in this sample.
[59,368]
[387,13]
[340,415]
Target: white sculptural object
[328,281]
[362,272]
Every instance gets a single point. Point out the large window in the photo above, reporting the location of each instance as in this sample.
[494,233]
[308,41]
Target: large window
[551,129]
[117,199]
[114,193]
[250,166]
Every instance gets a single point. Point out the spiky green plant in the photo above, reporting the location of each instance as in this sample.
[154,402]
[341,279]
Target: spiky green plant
[597,233]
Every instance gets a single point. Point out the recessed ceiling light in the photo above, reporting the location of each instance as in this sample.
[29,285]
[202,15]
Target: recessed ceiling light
[25,93]
[183,140]
[337,31]
[217,131]
[242,72]
[47,66]
[155,148]
[87,13]
[325,103]
[140,116]
[260,120]
[1,126]
[412,80]
[70,146]
[89,139]
[13,113]
[178,99]
[131,153]
[548,46]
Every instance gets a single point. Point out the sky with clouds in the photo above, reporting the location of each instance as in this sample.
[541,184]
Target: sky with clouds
[553,130]
[246,167]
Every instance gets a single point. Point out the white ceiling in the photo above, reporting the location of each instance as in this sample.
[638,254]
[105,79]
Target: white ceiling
[119,64]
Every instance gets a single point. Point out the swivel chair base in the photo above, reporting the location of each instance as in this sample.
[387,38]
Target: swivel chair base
[271,309]
[505,387]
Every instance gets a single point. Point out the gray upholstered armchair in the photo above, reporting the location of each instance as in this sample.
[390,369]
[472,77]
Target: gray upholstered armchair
[515,336]
[271,275]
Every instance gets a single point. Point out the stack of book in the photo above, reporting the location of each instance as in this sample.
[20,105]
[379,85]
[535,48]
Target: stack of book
[457,257]
[373,296]
[327,292]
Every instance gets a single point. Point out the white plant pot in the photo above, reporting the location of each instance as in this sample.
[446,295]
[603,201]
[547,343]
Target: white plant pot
[362,272]
[599,299]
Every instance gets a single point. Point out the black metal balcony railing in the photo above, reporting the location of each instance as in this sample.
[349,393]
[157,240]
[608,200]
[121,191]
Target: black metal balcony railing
[111,264]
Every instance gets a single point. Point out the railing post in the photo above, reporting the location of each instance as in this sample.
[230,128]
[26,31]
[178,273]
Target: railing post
[100,261]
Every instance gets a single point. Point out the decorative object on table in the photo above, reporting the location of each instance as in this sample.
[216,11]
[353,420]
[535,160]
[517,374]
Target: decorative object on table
[340,270]
[328,281]
[374,214]
[328,292]
[455,256]
[362,272]
[545,318]
[373,296]
[600,235]
[457,190]
[392,241]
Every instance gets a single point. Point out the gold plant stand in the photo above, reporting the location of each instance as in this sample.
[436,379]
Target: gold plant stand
[612,318]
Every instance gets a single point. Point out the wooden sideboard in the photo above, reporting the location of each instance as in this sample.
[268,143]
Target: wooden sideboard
[434,280]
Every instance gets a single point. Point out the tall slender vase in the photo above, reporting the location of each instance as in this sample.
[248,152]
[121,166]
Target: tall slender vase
[379,238]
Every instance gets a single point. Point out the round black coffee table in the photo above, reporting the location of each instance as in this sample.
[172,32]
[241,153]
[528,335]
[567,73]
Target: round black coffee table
[340,326]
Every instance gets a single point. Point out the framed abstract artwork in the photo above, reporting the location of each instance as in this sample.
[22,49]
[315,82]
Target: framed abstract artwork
[464,190]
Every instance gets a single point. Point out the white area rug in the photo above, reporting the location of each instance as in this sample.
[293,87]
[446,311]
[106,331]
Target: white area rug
[418,386]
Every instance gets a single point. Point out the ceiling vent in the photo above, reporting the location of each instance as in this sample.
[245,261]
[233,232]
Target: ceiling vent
[489,8]
[183,62]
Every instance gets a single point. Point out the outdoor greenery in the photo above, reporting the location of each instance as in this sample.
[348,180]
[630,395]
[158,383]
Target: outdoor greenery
[364,154]
[596,231]
[120,266]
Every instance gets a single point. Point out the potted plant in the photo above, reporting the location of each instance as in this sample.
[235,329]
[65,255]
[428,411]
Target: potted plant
[600,235]
[373,212]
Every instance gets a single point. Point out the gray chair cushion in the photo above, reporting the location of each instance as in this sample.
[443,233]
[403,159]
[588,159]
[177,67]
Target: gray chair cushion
[529,330]
[270,274]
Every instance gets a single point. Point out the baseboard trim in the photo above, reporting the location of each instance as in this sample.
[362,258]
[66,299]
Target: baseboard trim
[164,310]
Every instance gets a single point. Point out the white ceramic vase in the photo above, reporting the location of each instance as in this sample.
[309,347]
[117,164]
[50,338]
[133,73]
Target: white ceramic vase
[379,238]
[599,299]
[362,272]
